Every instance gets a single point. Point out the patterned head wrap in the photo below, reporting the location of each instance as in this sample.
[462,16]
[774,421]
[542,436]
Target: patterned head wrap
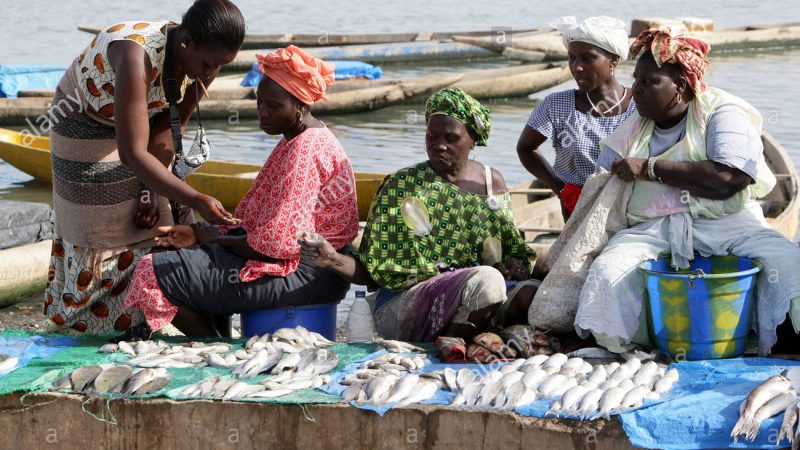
[690,54]
[608,33]
[301,74]
[456,103]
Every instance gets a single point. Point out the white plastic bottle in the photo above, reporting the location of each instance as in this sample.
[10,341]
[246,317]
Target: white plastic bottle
[360,326]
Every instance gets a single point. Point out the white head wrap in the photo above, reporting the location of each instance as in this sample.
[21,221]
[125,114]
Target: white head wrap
[608,33]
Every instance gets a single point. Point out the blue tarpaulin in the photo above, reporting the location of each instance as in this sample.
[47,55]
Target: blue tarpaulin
[26,348]
[344,70]
[698,412]
[19,78]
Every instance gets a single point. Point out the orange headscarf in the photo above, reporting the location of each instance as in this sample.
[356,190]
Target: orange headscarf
[301,74]
[690,54]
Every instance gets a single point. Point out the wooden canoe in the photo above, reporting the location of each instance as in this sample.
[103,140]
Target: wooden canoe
[550,46]
[538,212]
[257,41]
[345,97]
[225,181]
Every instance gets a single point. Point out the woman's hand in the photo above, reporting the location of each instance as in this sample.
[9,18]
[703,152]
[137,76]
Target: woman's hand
[177,236]
[213,212]
[630,169]
[317,250]
[514,269]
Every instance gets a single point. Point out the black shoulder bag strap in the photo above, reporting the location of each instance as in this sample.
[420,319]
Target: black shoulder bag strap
[171,92]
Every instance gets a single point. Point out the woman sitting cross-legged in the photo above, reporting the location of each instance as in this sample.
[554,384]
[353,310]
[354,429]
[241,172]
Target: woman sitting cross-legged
[307,183]
[423,245]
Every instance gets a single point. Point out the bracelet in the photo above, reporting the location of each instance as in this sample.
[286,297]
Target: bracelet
[651,166]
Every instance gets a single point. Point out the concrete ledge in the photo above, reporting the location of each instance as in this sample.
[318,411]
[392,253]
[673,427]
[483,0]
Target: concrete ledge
[57,420]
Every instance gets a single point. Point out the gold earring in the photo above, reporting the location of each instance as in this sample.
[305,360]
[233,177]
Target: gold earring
[183,44]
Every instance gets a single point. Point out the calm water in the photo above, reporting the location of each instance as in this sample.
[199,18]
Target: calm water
[386,140]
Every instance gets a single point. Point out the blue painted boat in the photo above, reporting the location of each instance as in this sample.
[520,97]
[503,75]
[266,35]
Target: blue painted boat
[15,78]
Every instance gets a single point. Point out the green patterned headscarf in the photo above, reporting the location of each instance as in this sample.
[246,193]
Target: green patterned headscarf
[459,105]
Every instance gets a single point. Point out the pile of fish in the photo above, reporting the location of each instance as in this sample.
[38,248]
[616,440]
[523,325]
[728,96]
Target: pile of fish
[112,379]
[581,389]
[774,396]
[389,378]
[291,356]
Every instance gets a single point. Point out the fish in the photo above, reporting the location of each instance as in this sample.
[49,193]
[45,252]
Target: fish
[230,360]
[287,334]
[563,388]
[555,408]
[161,380]
[489,392]
[353,392]
[517,395]
[777,405]
[634,397]
[83,376]
[318,362]
[555,361]
[241,389]
[796,440]
[402,388]
[534,378]
[592,353]
[270,393]
[109,348]
[221,387]
[243,354]
[399,346]
[663,385]
[597,376]
[451,379]
[378,388]
[126,348]
[215,360]
[62,383]
[288,362]
[633,365]
[253,339]
[626,384]
[137,380]
[573,363]
[536,360]
[110,378]
[8,362]
[572,397]
[511,378]
[472,393]
[589,403]
[788,424]
[611,367]
[458,399]
[424,390]
[322,341]
[610,400]
[758,397]
[465,377]
[622,372]
[645,373]
[608,384]
[207,386]
[551,384]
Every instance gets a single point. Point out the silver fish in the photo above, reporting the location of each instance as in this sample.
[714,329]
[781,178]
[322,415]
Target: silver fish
[320,340]
[472,393]
[573,363]
[402,388]
[589,403]
[318,361]
[773,407]
[598,376]
[489,393]
[109,348]
[287,334]
[215,360]
[609,401]
[536,360]
[110,378]
[353,392]
[221,387]
[399,346]
[451,379]
[555,361]
[83,376]
[424,390]
[571,399]
[465,377]
[268,393]
[378,388]
[514,394]
[138,380]
[511,378]
[253,339]
[645,373]
[758,397]
[207,386]
[125,347]
[551,384]
[634,397]
[534,378]
[241,389]
[288,362]
[161,380]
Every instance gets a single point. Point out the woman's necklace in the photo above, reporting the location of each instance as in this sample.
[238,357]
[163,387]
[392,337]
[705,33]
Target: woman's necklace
[594,107]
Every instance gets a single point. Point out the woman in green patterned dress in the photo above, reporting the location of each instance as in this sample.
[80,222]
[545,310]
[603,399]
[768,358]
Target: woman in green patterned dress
[428,263]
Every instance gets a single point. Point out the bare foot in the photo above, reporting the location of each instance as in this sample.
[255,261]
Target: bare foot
[147,214]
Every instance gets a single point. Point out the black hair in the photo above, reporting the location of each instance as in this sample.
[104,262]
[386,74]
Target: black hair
[215,23]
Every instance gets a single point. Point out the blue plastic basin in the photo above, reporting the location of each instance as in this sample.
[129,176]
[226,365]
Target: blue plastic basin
[318,318]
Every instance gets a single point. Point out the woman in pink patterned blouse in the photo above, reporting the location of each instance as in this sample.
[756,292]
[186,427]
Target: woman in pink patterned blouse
[306,183]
